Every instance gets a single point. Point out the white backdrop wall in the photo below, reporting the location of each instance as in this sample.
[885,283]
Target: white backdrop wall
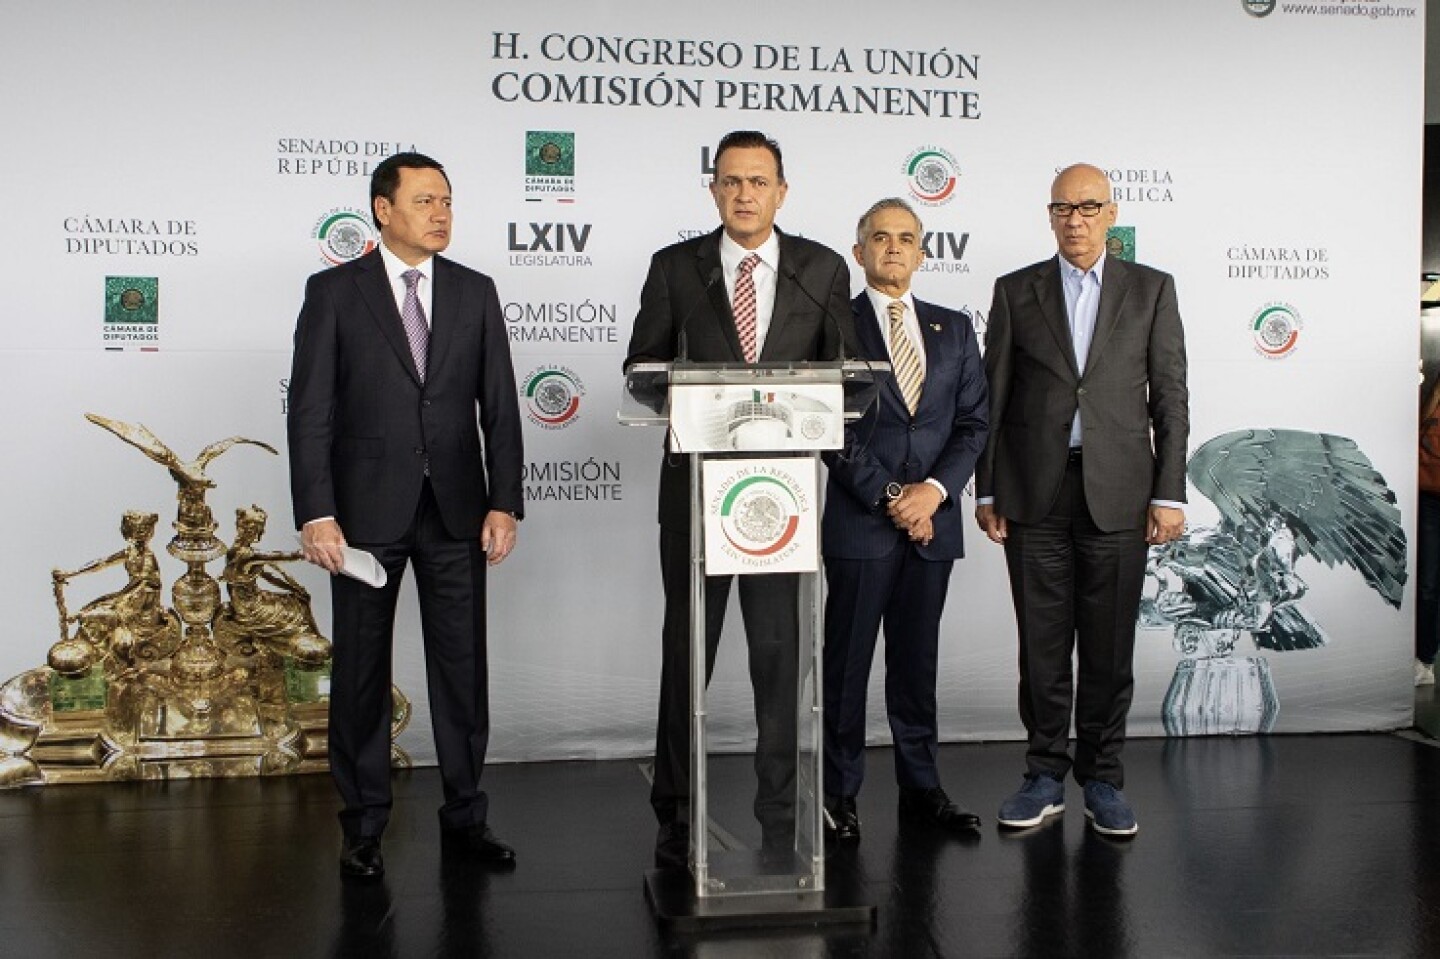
[208,146]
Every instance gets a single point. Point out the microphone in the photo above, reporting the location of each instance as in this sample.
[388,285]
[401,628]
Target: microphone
[682,343]
[789,272]
[790,275]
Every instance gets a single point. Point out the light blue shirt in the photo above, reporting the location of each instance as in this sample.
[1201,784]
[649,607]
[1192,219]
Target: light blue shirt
[1082,305]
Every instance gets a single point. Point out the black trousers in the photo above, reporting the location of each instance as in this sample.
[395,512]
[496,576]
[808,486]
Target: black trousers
[450,579]
[907,593]
[1077,594]
[1427,577]
[770,607]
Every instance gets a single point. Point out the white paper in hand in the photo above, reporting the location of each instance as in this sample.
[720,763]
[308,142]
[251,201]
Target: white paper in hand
[362,566]
[358,564]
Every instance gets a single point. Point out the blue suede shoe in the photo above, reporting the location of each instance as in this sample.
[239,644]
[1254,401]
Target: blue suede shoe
[1109,813]
[1041,796]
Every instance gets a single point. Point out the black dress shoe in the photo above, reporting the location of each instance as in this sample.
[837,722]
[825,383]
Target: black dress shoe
[933,807]
[360,858]
[777,842]
[479,843]
[672,845]
[842,820]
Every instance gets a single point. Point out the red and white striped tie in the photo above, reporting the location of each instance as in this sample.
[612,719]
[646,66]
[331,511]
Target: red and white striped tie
[745,305]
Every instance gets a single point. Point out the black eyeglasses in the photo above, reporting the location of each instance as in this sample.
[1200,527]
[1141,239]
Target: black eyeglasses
[1086,208]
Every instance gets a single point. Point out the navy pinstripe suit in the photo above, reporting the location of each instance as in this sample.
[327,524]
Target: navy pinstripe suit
[874,573]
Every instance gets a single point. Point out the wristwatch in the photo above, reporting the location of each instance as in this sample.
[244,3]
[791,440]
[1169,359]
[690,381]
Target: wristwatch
[893,491]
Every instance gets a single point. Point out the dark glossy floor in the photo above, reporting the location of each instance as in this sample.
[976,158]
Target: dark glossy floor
[1281,846]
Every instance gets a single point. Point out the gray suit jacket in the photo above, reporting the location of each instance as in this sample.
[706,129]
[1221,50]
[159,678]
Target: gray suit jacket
[1133,401]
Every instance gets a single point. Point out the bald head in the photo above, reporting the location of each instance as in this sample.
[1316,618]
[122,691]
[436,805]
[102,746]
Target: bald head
[1081,238]
[1081,174]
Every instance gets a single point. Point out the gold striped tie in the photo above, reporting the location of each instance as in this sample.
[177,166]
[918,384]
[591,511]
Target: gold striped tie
[904,358]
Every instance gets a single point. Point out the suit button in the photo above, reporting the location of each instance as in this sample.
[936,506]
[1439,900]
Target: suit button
[912,427]
[419,451]
[424,402]
[1080,391]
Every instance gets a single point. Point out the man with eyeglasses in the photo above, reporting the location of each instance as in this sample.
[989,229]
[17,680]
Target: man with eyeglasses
[1084,466]
[745,293]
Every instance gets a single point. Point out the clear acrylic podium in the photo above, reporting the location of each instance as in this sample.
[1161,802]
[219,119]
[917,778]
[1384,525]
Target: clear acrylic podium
[781,415]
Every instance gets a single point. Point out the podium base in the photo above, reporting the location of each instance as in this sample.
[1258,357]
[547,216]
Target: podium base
[671,894]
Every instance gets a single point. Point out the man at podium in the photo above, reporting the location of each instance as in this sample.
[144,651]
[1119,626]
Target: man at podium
[746,293]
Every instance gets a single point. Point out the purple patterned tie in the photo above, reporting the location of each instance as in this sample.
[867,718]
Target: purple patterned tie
[745,305]
[417,331]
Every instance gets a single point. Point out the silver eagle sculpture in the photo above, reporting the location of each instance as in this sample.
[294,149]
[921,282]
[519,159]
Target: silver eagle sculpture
[1282,495]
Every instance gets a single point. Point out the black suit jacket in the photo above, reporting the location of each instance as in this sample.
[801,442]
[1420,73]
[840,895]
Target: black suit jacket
[812,281]
[1133,401]
[362,427]
[943,440]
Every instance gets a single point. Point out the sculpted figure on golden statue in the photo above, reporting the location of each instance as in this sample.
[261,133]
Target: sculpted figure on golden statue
[278,618]
[128,624]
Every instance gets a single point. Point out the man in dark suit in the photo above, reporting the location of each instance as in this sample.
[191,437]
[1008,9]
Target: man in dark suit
[790,294]
[1089,419]
[891,530]
[398,355]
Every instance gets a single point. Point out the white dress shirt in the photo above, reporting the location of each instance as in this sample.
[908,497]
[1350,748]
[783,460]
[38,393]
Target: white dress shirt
[880,302]
[396,268]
